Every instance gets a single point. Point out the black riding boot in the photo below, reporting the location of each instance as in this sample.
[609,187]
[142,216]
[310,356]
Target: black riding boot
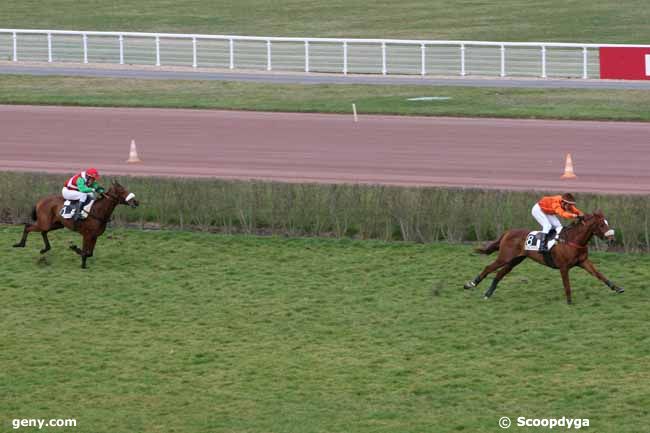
[77,211]
[542,243]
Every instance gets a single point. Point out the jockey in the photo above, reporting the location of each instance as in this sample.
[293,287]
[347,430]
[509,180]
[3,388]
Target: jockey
[548,207]
[80,187]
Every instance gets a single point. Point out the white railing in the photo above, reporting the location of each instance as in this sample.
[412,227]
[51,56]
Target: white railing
[346,56]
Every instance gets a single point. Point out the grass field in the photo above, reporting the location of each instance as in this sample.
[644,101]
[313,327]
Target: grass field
[191,332]
[598,21]
[631,105]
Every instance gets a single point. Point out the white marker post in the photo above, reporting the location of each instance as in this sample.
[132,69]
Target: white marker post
[354,112]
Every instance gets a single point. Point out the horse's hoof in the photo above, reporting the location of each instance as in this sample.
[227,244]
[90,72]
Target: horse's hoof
[619,290]
[43,251]
[569,302]
[19,245]
[469,285]
[486,297]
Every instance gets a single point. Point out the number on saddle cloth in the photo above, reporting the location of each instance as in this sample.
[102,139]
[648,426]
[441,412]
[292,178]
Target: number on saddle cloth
[533,240]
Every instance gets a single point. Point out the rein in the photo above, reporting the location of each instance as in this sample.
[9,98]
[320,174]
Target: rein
[115,199]
[105,220]
[573,244]
[577,246]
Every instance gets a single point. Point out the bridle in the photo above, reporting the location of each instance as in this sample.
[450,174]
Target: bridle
[112,197]
[575,245]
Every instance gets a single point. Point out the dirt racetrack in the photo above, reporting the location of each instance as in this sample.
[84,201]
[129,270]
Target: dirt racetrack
[489,153]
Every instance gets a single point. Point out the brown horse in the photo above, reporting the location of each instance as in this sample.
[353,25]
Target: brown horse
[47,217]
[571,250]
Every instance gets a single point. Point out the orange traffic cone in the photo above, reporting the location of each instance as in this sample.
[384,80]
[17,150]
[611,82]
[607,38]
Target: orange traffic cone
[133,154]
[568,168]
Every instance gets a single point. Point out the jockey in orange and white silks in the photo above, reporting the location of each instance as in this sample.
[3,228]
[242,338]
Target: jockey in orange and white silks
[80,186]
[548,207]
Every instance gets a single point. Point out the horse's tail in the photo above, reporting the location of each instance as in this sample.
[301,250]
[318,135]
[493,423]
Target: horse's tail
[34,213]
[491,247]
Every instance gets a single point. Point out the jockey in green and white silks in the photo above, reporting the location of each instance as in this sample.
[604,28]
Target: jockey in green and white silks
[79,187]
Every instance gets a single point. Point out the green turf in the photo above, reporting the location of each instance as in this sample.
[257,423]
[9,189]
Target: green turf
[190,332]
[465,101]
[598,21]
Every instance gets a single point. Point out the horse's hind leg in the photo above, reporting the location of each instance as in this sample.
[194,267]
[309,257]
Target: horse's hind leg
[502,273]
[28,229]
[498,263]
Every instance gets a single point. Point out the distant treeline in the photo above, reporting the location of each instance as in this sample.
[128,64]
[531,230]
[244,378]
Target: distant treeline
[358,211]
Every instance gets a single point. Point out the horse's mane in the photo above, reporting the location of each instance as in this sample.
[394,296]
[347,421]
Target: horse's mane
[575,224]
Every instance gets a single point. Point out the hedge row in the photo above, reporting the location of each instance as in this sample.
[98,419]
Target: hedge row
[367,212]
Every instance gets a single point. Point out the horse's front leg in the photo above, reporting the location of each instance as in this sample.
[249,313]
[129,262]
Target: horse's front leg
[589,267]
[564,271]
[90,247]
[83,251]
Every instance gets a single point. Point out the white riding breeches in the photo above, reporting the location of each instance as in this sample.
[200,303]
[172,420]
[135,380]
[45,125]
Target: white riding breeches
[545,220]
[71,194]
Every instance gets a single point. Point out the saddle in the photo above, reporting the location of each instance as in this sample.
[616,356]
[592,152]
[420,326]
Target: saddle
[533,240]
[73,207]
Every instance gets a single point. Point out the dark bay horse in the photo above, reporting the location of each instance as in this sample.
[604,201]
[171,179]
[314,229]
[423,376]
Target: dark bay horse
[571,250]
[47,217]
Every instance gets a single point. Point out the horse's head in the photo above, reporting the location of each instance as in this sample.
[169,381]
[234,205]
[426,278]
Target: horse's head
[119,193]
[599,225]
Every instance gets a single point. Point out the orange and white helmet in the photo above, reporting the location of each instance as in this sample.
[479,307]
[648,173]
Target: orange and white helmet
[568,198]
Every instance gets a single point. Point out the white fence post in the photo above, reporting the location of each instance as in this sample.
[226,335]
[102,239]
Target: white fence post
[15,55]
[121,39]
[268,55]
[85,39]
[194,62]
[543,61]
[462,60]
[423,59]
[584,63]
[503,60]
[384,70]
[232,54]
[345,57]
[306,55]
[49,47]
[157,50]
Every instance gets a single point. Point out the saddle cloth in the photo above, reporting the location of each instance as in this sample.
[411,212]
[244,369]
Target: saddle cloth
[533,240]
[68,210]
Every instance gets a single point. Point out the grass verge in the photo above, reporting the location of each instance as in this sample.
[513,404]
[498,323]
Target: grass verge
[630,105]
[598,21]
